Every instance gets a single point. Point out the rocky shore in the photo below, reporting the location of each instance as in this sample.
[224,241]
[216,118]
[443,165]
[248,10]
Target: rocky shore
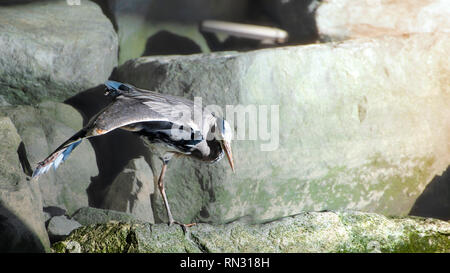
[345,231]
[356,147]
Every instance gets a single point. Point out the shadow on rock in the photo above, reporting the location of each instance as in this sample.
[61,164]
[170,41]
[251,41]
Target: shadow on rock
[16,236]
[435,199]
[113,150]
[298,18]
[167,43]
[230,43]
[107,9]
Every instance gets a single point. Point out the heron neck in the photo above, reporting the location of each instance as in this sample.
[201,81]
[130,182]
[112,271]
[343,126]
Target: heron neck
[210,151]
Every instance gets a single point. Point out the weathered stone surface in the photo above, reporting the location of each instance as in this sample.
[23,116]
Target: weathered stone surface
[363,125]
[131,189]
[91,216]
[43,128]
[50,49]
[308,232]
[21,219]
[338,19]
[59,227]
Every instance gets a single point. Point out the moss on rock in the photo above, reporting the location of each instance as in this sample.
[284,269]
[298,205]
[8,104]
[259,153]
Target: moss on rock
[344,231]
[102,238]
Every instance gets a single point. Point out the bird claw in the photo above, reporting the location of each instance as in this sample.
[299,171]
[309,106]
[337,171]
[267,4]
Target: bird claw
[183,226]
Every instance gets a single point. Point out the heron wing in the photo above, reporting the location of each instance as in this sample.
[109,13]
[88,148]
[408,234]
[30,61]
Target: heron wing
[145,107]
[137,110]
[177,109]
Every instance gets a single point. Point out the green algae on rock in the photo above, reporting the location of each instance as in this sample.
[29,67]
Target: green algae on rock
[117,237]
[340,231]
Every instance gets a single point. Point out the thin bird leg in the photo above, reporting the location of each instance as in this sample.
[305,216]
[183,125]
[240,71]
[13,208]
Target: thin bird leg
[163,193]
[166,203]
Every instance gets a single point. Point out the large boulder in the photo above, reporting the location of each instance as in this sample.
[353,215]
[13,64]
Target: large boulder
[43,128]
[50,49]
[363,124]
[345,231]
[21,218]
[344,19]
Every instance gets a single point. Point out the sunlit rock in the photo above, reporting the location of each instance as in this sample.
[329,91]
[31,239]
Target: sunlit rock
[344,19]
[363,124]
[21,218]
[43,128]
[307,232]
[131,189]
[52,50]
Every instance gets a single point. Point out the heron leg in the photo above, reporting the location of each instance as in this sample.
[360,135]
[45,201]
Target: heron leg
[166,203]
[163,193]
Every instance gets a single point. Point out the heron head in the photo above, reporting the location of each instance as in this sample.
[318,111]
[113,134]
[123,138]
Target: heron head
[224,134]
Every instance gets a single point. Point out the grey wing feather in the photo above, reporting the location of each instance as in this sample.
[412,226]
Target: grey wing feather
[136,107]
[144,106]
[177,109]
[123,111]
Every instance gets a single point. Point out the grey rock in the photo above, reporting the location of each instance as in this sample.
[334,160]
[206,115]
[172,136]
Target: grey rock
[363,125]
[60,227]
[325,232]
[131,189]
[346,19]
[332,20]
[3,102]
[15,2]
[51,50]
[43,128]
[21,219]
[91,216]
[51,211]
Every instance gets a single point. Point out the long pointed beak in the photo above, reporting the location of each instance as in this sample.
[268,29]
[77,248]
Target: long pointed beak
[227,149]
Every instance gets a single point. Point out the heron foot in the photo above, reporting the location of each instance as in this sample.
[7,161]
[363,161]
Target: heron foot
[183,226]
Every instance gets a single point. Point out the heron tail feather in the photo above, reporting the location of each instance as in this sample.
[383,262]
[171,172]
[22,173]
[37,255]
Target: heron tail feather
[59,155]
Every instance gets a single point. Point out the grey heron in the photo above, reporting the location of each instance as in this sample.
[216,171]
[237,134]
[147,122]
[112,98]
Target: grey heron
[162,122]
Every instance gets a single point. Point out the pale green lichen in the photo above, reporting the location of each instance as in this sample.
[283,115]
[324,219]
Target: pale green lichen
[378,186]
